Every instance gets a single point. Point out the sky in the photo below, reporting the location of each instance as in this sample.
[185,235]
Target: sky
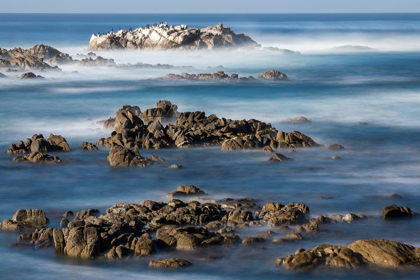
[209,6]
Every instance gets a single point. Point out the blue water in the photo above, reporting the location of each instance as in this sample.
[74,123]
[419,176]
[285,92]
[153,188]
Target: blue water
[335,90]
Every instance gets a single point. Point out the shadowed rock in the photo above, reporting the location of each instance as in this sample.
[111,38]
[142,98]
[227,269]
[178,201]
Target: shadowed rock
[395,212]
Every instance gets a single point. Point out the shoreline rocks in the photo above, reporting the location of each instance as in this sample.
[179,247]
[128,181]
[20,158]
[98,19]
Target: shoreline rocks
[166,37]
[25,219]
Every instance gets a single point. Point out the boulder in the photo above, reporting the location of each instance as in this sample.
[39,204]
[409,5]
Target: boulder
[120,156]
[25,219]
[320,257]
[394,212]
[187,190]
[386,253]
[86,146]
[272,75]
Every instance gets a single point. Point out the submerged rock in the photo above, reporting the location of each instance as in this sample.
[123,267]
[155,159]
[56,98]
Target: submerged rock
[299,119]
[164,37]
[335,147]
[37,157]
[221,76]
[169,263]
[278,158]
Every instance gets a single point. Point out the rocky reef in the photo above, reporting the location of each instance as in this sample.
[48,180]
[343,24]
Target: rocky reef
[165,37]
[164,126]
[128,230]
[221,76]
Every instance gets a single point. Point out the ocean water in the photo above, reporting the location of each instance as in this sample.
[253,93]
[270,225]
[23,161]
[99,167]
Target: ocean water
[336,90]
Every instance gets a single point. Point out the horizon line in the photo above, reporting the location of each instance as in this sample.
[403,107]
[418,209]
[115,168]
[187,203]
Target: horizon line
[262,13]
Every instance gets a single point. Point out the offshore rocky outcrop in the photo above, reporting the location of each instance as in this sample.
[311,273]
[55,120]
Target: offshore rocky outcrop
[164,126]
[54,143]
[221,76]
[25,219]
[166,37]
[29,76]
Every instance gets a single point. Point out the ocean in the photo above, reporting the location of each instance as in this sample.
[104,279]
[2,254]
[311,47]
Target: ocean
[335,89]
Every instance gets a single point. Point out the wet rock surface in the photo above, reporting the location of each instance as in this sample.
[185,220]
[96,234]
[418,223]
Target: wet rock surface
[164,37]
[30,76]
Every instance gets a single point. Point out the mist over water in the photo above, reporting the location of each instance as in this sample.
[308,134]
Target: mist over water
[336,90]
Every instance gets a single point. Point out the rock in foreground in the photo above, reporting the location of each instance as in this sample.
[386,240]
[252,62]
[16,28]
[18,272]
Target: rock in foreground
[54,143]
[165,37]
[375,253]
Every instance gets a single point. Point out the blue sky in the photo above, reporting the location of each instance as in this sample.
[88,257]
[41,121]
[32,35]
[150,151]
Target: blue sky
[209,6]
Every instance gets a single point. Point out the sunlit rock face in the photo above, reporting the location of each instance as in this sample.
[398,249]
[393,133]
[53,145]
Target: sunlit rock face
[165,37]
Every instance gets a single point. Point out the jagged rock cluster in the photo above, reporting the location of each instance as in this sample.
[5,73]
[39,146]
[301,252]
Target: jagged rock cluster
[28,59]
[135,130]
[54,143]
[42,58]
[37,147]
[164,37]
[221,76]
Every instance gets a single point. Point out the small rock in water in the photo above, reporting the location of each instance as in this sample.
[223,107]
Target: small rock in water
[158,158]
[363,123]
[186,190]
[252,240]
[279,158]
[175,166]
[267,149]
[394,211]
[169,263]
[88,146]
[299,119]
[68,214]
[29,75]
[38,157]
[395,195]
[335,158]
[335,147]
